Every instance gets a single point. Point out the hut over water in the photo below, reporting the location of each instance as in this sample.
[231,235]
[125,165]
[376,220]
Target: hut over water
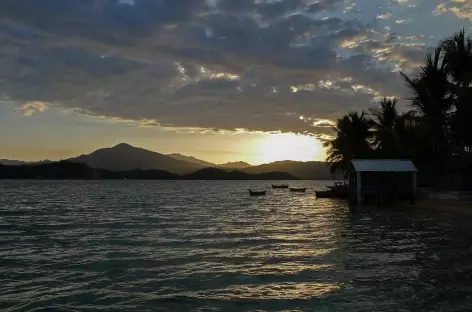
[381,180]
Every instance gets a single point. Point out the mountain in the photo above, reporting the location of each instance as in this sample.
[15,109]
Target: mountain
[9,162]
[192,160]
[221,174]
[310,170]
[137,174]
[124,157]
[234,165]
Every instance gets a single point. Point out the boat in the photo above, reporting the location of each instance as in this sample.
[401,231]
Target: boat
[279,186]
[340,192]
[335,186]
[257,193]
[298,189]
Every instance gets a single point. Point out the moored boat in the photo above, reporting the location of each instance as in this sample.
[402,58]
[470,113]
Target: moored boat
[279,186]
[257,193]
[340,192]
[335,186]
[298,189]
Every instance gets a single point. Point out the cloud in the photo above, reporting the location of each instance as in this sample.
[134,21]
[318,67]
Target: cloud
[384,16]
[201,64]
[402,22]
[461,8]
[29,108]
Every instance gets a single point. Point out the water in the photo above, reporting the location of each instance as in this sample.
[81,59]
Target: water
[208,246]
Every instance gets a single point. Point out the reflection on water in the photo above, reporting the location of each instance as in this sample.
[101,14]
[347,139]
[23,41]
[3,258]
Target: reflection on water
[208,246]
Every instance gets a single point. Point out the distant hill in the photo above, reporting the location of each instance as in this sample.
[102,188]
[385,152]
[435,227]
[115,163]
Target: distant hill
[310,170]
[124,157]
[79,171]
[234,165]
[221,174]
[9,162]
[56,170]
[192,160]
[137,174]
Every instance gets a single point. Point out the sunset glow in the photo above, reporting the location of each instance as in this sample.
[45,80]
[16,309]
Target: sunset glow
[289,146]
[211,79]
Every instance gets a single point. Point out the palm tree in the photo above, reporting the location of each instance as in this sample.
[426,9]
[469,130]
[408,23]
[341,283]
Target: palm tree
[385,120]
[409,135]
[432,101]
[458,64]
[461,119]
[352,140]
[457,51]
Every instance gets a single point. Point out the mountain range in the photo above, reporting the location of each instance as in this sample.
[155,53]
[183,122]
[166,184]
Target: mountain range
[124,157]
[67,170]
[206,164]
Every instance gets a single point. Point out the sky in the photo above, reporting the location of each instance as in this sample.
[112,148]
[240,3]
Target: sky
[221,80]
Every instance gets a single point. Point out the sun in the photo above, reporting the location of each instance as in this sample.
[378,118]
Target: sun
[289,146]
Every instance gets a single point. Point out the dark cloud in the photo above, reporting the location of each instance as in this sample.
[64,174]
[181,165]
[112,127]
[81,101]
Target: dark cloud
[222,64]
[236,6]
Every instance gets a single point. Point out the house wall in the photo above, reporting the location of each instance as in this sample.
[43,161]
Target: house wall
[397,184]
[352,187]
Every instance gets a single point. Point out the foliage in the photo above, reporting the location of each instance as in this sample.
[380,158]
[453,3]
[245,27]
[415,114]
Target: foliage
[437,128]
[352,140]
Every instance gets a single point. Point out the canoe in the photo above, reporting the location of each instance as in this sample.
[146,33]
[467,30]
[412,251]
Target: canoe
[257,193]
[337,185]
[298,189]
[335,193]
[279,186]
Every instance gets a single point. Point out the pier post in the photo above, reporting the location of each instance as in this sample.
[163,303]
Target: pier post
[359,188]
[414,185]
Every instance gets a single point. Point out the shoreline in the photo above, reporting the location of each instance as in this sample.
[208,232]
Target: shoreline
[456,207]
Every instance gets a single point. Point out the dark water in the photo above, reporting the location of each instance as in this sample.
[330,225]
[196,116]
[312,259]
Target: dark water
[208,246]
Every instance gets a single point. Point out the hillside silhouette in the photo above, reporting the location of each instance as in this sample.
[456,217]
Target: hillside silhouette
[310,170]
[219,174]
[66,170]
[192,160]
[57,170]
[126,158]
[234,165]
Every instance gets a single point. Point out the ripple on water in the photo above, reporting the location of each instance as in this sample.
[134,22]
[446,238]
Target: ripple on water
[208,246]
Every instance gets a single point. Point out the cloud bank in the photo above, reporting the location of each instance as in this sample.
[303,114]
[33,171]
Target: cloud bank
[259,65]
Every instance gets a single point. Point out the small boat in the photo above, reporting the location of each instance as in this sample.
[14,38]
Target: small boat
[279,186]
[340,192]
[298,189]
[257,193]
[336,185]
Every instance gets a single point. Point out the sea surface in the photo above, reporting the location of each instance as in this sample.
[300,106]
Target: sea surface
[208,246]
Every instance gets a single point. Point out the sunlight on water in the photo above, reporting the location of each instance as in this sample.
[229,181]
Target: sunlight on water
[208,246]
[281,291]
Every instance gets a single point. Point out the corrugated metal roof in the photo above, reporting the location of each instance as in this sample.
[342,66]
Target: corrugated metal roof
[383,165]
